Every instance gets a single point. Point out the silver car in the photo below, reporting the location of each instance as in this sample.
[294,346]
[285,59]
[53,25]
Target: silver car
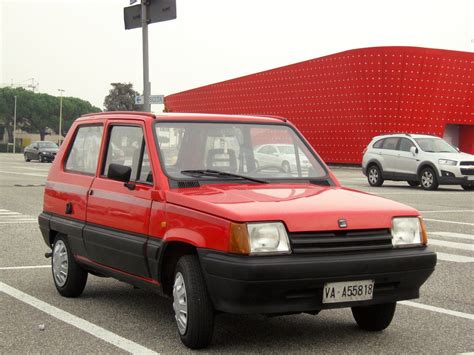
[280,155]
[417,159]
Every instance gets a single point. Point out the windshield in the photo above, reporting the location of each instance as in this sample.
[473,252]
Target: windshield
[259,151]
[435,145]
[47,145]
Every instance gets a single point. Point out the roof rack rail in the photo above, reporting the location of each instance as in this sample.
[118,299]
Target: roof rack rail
[271,116]
[105,113]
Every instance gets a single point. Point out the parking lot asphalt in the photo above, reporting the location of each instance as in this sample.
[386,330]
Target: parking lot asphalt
[113,317]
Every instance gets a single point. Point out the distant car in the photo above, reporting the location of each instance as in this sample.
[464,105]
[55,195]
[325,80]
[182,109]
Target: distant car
[44,151]
[417,159]
[281,155]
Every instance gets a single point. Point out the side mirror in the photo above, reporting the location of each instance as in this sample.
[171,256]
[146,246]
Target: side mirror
[414,150]
[119,172]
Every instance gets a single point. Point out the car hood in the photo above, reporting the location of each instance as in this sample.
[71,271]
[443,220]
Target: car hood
[455,156]
[301,207]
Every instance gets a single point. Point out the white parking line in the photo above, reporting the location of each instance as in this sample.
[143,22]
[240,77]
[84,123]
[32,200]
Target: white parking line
[26,174]
[452,222]
[25,267]
[454,257]
[82,324]
[20,221]
[453,235]
[9,213]
[452,245]
[438,309]
[448,211]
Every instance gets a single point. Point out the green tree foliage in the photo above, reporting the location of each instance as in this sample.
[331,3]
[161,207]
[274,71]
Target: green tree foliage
[121,98]
[39,113]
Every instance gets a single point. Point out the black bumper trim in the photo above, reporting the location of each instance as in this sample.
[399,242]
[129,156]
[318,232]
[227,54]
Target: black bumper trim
[447,180]
[294,283]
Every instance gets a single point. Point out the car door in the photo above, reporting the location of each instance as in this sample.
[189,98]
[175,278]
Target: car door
[118,216]
[407,162]
[389,155]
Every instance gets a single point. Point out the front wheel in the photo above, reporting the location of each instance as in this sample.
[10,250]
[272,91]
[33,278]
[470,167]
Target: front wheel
[41,158]
[192,306]
[428,179]
[69,278]
[468,187]
[374,176]
[374,318]
[26,157]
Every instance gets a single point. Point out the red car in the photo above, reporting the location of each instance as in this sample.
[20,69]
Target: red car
[178,203]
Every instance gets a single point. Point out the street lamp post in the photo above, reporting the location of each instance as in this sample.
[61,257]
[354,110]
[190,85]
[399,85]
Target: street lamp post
[14,127]
[60,115]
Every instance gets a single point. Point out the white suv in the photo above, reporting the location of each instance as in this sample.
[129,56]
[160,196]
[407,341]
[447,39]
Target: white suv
[417,159]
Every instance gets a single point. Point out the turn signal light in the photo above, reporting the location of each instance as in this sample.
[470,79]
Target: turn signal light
[424,234]
[239,239]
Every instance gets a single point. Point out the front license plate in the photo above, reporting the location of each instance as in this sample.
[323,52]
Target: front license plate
[350,291]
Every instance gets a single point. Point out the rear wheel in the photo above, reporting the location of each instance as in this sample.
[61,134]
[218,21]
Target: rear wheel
[374,176]
[413,183]
[428,179]
[193,308]
[69,278]
[468,187]
[374,318]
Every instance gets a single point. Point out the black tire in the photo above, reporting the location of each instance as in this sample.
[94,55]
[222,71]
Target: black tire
[374,175]
[76,278]
[26,157]
[428,179]
[286,167]
[374,318]
[41,158]
[199,327]
[413,183]
[468,187]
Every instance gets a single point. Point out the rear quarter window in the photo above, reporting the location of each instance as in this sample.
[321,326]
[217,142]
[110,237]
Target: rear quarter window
[84,152]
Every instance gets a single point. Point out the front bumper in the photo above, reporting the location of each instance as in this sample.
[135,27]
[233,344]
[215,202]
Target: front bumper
[295,283]
[453,175]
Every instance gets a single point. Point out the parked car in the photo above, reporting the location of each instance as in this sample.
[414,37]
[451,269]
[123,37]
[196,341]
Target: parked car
[417,159]
[282,155]
[44,151]
[196,218]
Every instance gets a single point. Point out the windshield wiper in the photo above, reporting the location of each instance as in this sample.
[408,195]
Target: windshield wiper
[216,173]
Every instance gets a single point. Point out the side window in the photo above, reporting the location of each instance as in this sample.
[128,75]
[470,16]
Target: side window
[405,145]
[124,148]
[378,144]
[390,143]
[84,152]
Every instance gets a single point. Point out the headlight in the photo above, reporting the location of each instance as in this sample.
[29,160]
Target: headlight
[447,162]
[259,238]
[408,231]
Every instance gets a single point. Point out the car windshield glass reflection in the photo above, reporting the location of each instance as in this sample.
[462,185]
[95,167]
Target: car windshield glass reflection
[47,145]
[435,145]
[258,151]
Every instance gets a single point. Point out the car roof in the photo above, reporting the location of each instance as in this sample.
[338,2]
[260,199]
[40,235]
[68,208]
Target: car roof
[405,135]
[137,115]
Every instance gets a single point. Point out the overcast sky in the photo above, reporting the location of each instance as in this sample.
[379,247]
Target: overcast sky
[81,46]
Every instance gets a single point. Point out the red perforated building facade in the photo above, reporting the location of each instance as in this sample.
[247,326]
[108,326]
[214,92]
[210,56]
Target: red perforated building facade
[339,102]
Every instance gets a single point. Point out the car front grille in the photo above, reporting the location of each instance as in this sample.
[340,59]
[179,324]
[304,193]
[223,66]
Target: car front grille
[340,241]
[467,171]
[466,163]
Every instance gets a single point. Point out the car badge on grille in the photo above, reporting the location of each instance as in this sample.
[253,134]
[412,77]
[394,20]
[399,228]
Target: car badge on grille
[342,223]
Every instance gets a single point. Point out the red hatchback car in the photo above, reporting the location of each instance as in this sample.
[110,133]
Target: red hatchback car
[180,203]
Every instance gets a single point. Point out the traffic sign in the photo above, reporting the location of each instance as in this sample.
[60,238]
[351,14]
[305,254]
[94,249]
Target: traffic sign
[154,100]
[158,11]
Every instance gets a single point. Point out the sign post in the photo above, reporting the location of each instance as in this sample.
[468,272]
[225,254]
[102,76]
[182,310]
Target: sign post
[137,16]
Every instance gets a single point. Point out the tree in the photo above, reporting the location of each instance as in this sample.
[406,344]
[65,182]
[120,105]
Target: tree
[121,98]
[39,113]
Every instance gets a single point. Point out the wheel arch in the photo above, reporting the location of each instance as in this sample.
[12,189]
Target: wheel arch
[373,162]
[426,164]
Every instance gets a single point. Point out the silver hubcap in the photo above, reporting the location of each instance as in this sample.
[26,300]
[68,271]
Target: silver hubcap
[373,176]
[180,303]
[427,178]
[60,263]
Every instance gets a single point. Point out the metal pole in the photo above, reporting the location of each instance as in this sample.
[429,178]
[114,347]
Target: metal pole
[146,81]
[60,115]
[14,127]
